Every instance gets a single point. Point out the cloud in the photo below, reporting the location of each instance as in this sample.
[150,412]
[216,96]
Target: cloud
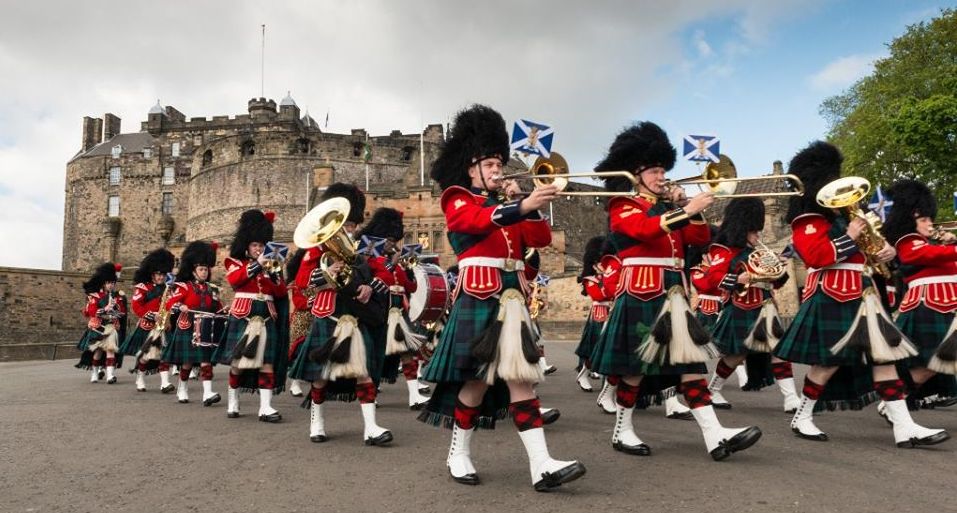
[841,73]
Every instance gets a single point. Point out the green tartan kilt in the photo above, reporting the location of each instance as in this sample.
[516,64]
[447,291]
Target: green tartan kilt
[732,328]
[926,328]
[87,339]
[820,322]
[590,334]
[707,320]
[305,369]
[134,341]
[86,358]
[180,349]
[277,345]
[452,363]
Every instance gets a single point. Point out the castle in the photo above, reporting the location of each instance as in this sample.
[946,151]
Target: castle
[179,179]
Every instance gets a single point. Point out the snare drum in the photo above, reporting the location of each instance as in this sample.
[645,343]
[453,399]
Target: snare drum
[431,297]
[209,329]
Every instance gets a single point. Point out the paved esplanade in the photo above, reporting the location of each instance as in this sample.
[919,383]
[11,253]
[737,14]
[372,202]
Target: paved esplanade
[68,445]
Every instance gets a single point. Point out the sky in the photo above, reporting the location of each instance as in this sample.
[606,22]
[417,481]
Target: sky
[752,72]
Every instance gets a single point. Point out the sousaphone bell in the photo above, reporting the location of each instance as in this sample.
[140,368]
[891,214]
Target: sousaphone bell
[323,225]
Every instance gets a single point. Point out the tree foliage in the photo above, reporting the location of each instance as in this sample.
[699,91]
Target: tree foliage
[901,121]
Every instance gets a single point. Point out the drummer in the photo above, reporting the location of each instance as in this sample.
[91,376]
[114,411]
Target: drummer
[193,295]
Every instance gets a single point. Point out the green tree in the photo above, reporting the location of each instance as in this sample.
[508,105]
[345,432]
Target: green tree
[901,121]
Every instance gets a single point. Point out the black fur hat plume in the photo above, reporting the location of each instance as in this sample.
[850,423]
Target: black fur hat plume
[357,199]
[816,165]
[741,216]
[292,266]
[104,273]
[385,223]
[912,199]
[477,132]
[196,253]
[157,261]
[636,148]
[254,226]
[595,248]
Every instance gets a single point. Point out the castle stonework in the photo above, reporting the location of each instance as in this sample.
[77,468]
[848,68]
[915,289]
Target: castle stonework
[180,179]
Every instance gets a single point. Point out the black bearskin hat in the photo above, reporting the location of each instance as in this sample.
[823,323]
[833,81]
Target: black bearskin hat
[292,266]
[816,166]
[595,248]
[196,253]
[478,132]
[104,273]
[636,148]
[254,226]
[912,199]
[157,261]
[357,200]
[694,253]
[741,216]
[385,223]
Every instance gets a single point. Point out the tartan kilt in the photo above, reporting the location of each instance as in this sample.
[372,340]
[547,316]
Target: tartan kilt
[302,368]
[180,349]
[374,338]
[452,363]
[87,339]
[732,328]
[926,328]
[590,334]
[707,320]
[277,345]
[134,342]
[820,322]
[390,368]
[86,358]
[616,350]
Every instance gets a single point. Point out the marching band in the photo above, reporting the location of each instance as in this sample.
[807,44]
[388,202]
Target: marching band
[365,308]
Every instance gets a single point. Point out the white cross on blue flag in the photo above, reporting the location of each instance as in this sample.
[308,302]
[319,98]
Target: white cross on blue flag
[532,138]
[277,251]
[880,204]
[543,280]
[955,203]
[701,148]
[371,246]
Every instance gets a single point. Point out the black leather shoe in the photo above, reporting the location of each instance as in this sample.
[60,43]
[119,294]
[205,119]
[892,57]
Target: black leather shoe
[927,440]
[721,406]
[418,406]
[232,415]
[681,415]
[567,474]
[468,479]
[183,401]
[382,439]
[111,380]
[551,416]
[168,388]
[550,370]
[271,418]
[425,390]
[318,439]
[213,399]
[817,438]
[738,442]
[101,374]
[637,450]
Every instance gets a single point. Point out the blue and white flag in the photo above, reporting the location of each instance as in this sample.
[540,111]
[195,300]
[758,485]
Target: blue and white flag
[452,278]
[411,249]
[880,204]
[955,203]
[701,148]
[371,246]
[543,280]
[277,251]
[532,138]
[170,279]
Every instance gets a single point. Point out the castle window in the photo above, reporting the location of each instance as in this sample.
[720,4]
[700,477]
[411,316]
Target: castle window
[302,146]
[147,153]
[356,149]
[167,207]
[116,151]
[247,149]
[197,140]
[169,176]
[113,206]
[115,175]
[207,157]
[174,151]
[407,153]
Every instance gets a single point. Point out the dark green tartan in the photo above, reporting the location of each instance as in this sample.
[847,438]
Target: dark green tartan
[732,328]
[180,349]
[87,339]
[926,328]
[86,358]
[616,350]
[707,320]
[307,370]
[134,342]
[590,334]
[277,345]
[452,363]
[820,322]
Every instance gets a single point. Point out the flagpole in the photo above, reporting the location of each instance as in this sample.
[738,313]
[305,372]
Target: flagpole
[262,65]
[366,159]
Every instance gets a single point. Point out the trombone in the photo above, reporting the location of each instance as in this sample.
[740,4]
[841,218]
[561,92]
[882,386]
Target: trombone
[939,229]
[722,178]
[554,171]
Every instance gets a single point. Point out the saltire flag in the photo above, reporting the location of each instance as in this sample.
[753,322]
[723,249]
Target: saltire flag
[701,148]
[543,280]
[452,278]
[170,279]
[880,204]
[411,249]
[955,203]
[277,251]
[371,246]
[532,138]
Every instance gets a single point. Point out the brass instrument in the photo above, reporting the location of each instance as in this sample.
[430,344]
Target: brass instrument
[323,225]
[722,178]
[845,194]
[942,228]
[764,266]
[162,315]
[554,171]
[536,303]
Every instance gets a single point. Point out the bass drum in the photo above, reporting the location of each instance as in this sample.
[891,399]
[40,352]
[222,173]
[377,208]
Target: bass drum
[431,297]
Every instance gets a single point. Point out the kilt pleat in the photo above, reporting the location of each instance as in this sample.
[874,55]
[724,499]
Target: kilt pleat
[590,334]
[926,328]
[303,368]
[732,328]
[820,322]
[276,351]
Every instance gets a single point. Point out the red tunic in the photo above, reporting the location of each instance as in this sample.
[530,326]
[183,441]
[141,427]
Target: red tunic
[935,282]
[259,284]
[98,301]
[600,297]
[146,299]
[722,276]
[710,297]
[833,264]
[198,297]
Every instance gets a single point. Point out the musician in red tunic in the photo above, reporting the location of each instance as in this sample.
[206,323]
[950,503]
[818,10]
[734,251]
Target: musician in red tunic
[146,342]
[106,310]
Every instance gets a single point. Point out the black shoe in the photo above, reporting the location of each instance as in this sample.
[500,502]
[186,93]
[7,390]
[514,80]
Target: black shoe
[738,442]
[272,418]
[468,479]
[568,474]
[318,439]
[168,388]
[111,380]
[213,399]
[183,401]
[418,406]
[817,438]
[721,406]
[100,374]
[141,390]
[550,370]
[927,440]
[680,415]
[641,449]
[232,415]
[425,390]
[940,402]
[382,439]
[551,416]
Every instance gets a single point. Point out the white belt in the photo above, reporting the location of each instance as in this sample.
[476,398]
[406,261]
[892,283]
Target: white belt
[601,303]
[709,296]
[505,264]
[838,267]
[930,280]
[657,262]
[252,295]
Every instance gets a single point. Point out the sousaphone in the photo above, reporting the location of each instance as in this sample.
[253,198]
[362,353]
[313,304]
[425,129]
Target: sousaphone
[323,225]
